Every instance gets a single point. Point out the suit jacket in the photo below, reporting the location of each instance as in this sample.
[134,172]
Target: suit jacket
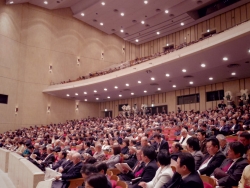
[234,173]
[125,150]
[73,172]
[131,161]
[38,154]
[203,146]
[50,159]
[175,156]
[148,173]
[198,156]
[66,165]
[131,175]
[225,130]
[193,180]
[164,145]
[58,164]
[216,161]
[162,176]
[113,160]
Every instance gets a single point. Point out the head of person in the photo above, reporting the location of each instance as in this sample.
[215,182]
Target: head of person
[96,181]
[245,138]
[49,149]
[76,158]
[125,143]
[157,138]
[86,145]
[144,141]
[116,149]
[163,157]
[236,150]
[193,144]
[204,126]
[62,154]
[201,135]
[176,147]
[184,132]
[87,170]
[185,164]
[158,130]
[222,122]
[98,147]
[102,168]
[148,154]
[222,140]
[213,146]
[132,150]
[139,155]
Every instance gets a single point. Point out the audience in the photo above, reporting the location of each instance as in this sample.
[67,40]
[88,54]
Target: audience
[176,150]
[224,146]
[160,143]
[201,135]
[193,147]
[184,138]
[115,158]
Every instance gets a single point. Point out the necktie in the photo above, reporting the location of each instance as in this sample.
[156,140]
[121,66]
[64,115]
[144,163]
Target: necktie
[225,168]
[207,160]
[137,165]
[183,140]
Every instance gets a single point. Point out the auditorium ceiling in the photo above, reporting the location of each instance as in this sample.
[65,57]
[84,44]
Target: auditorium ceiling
[139,21]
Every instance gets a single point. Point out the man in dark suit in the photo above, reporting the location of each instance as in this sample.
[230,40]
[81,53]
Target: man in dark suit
[201,135]
[148,157]
[132,159]
[213,158]
[50,159]
[230,171]
[185,176]
[160,143]
[62,158]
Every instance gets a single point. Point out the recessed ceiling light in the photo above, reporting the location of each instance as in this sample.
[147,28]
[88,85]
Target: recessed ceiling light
[225,58]
[105,110]
[76,93]
[145,91]
[67,95]
[158,33]
[211,78]
[85,99]
[233,73]
[249,50]
[139,82]
[85,93]
[184,70]
[82,14]
[122,14]
[142,22]
[191,82]
[132,93]
[159,89]
[208,30]
[45,2]
[120,95]
[174,85]
[127,84]
[167,75]
[122,30]
[152,78]
[97,98]
[11,2]
[136,40]
[108,97]
[103,3]
[182,23]
[116,87]
[105,89]
[166,11]
[145,2]
[95,91]
[203,65]
[167,44]
[101,23]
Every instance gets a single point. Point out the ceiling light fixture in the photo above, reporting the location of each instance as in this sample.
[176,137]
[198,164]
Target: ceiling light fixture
[101,23]
[182,23]
[95,91]
[233,73]
[145,2]
[127,84]
[85,99]
[249,51]
[11,2]
[208,30]
[159,89]
[166,11]
[122,30]
[142,22]
[120,95]
[136,40]
[122,14]
[105,89]
[139,82]
[76,94]
[82,14]
[158,33]
[108,97]
[225,58]
[85,93]
[203,65]
[116,87]
[103,3]
[184,70]
[211,78]
[67,95]
[167,75]
[132,93]
[97,98]
[191,82]
[45,2]
[174,85]
[152,78]
[145,91]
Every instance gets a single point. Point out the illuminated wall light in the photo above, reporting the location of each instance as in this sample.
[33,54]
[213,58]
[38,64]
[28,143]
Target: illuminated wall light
[95,91]
[158,33]
[11,2]
[76,94]
[208,30]
[105,110]
[116,87]
[132,93]
[152,78]
[145,91]
[85,99]
[67,95]
[85,93]
[108,97]
[233,74]
[97,99]
[122,30]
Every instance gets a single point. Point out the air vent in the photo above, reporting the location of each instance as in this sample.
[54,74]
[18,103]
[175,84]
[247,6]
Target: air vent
[247,62]
[148,71]
[113,30]
[154,84]
[147,25]
[134,21]
[232,78]
[233,65]
[126,90]
[158,10]
[126,33]
[171,15]
[115,10]
[94,20]
[188,76]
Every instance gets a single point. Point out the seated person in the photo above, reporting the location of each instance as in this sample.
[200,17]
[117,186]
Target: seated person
[230,171]
[176,150]
[164,172]
[66,165]
[62,158]
[236,127]
[184,137]
[132,159]
[96,181]
[201,135]
[115,158]
[99,155]
[124,146]
[193,147]
[86,171]
[224,145]
[102,169]
[148,157]
[212,159]
[246,174]
[245,140]
[160,143]
[186,175]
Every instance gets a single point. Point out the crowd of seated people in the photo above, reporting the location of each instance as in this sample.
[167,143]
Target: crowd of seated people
[135,61]
[91,146]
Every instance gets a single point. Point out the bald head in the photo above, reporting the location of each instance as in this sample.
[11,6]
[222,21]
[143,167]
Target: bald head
[76,158]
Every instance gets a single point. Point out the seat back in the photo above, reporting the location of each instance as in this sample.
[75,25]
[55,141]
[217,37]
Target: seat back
[208,180]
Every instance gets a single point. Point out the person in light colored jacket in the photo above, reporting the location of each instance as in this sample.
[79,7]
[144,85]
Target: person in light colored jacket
[115,158]
[245,177]
[164,172]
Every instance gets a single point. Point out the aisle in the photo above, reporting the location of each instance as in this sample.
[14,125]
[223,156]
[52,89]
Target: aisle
[5,181]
